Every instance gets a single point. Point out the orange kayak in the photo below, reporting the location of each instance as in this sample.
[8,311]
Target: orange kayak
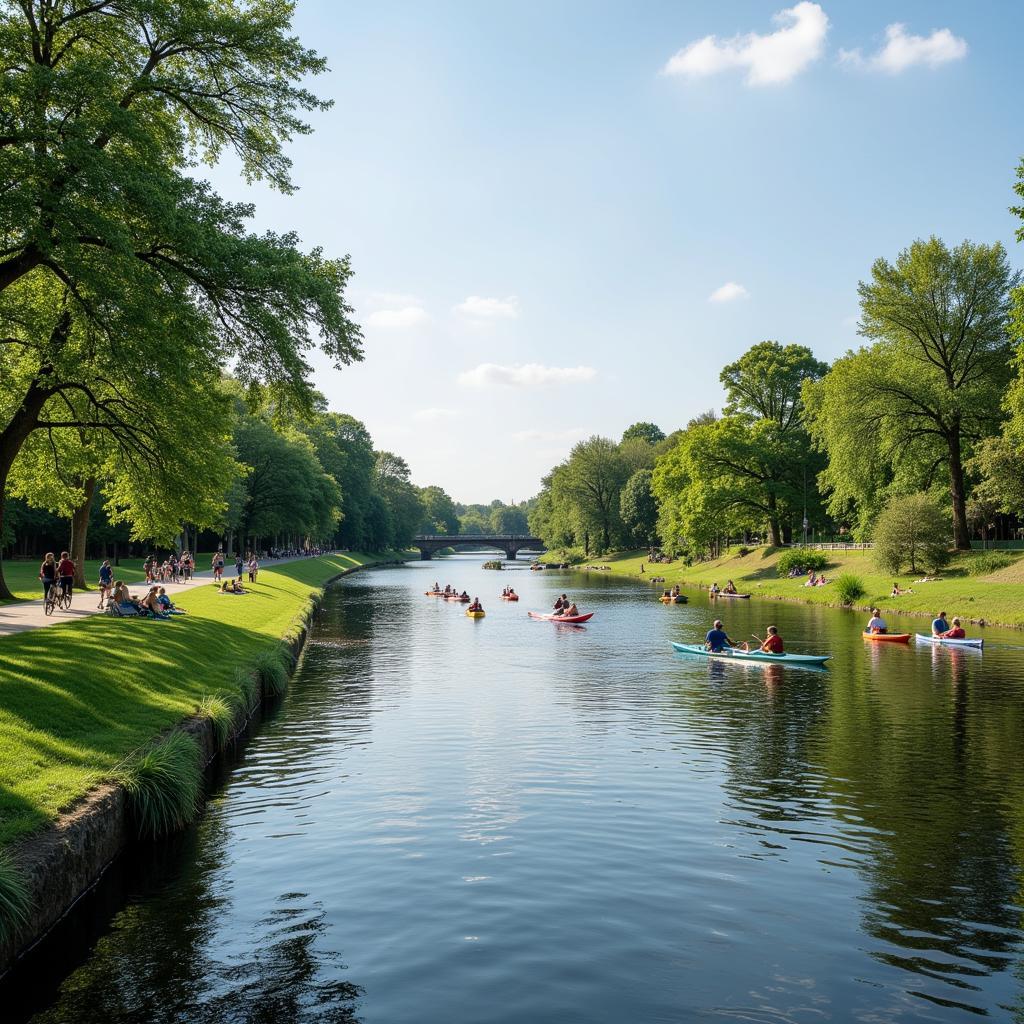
[890,638]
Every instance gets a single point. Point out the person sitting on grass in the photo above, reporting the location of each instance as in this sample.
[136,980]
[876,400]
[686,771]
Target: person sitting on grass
[956,633]
[232,587]
[150,604]
[773,642]
[124,600]
[939,625]
[167,605]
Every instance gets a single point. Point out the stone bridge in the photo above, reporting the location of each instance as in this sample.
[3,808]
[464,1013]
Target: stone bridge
[511,544]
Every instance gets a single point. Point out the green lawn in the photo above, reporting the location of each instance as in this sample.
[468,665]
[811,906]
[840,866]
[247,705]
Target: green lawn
[75,699]
[997,598]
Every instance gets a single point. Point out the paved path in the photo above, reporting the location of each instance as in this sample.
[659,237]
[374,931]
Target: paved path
[26,615]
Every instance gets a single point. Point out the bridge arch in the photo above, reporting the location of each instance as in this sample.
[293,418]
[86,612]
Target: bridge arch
[429,544]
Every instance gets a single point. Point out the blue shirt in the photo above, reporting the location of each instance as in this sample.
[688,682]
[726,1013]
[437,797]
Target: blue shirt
[939,626]
[106,573]
[716,639]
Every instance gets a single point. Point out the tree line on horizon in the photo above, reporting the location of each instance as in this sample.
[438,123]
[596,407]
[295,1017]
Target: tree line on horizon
[919,429]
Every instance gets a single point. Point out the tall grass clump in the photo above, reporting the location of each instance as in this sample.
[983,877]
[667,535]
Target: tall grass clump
[988,562]
[271,668]
[221,710]
[15,898]
[848,588]
[248,685]
[164,785]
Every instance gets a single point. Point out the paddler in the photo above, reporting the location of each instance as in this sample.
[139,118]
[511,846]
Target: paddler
[876,624]
[956,633]
[717,639]
[773,642]
[476,606]
[939,625]
[560,604]
[570,610]
[730,588]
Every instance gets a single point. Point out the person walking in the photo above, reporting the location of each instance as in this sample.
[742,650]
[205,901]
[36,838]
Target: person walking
[106,582]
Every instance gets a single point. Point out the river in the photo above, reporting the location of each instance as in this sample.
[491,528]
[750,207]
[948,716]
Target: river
[508,820]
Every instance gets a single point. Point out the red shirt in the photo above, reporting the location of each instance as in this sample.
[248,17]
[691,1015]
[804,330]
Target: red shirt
[66,567]
[956,633]
[773,644]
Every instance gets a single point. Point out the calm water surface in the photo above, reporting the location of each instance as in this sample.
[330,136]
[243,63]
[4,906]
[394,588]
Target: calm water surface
[509,820]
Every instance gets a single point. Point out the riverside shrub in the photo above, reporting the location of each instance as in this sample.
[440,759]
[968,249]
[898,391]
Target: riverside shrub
[848,588]
[801,558]
[912,531]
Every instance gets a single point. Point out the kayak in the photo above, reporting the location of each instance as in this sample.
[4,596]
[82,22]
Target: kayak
[561,618]
[475,615]
[460,600]
[731,654]
[510,597]
[722,593]
[433,593]
[949,641]
[889,638]
[680,599]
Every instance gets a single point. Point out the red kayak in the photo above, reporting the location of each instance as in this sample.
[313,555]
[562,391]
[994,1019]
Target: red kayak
[561,618]
[460,600]
[510,597]
[892,638]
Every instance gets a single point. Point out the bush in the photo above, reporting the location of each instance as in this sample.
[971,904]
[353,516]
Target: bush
[987,562]
[801,558]
[15,898]
[848,588]
[164,785]
[911,531]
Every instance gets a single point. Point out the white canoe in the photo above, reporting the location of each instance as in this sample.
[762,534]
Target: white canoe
[946,641]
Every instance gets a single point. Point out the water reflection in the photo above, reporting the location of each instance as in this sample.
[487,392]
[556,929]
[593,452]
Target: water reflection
[515,820]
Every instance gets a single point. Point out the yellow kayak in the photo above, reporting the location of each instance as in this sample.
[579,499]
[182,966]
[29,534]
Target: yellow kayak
[476,615]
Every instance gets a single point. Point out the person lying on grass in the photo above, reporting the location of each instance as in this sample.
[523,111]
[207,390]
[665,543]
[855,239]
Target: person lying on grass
[232,587]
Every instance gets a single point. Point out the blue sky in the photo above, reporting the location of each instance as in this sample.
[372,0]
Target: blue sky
[540,200]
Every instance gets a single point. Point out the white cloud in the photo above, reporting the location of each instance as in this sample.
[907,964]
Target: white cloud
[729,292]
[407,316]
[769,59]
[527,375]
[551,436]
[435,415]
[481,308]
[902,51]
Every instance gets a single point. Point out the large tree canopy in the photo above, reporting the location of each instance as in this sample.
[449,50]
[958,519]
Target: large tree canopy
[908,409]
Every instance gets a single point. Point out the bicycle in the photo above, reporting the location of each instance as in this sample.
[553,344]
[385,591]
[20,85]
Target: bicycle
[56,597]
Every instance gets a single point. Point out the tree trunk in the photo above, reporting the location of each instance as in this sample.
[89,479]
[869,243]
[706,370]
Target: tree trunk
[958,492]
[80,531]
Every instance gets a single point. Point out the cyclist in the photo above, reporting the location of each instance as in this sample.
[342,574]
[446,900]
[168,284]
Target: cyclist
[106,582]
[48,572]
[66,574]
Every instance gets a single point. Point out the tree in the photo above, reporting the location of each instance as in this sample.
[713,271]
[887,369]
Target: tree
[638,507]
[438,511]
[913,531]
[908,410]
[649,432]
[766,383]
[590,481]
[509,520]
[405,510]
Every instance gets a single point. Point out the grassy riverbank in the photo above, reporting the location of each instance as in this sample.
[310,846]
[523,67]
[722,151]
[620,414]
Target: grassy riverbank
[75,699]
[996,597]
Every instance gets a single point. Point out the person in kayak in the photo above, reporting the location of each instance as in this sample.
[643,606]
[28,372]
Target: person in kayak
[773,642]
[476,606]
[561,603]
[717,639]
[956,633]
[939,625]
[713,589]
[569,610]
[876,624]
[730,588]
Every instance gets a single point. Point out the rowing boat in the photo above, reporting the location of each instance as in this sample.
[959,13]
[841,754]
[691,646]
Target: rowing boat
[948,641]
[722,593]
[561,618]
[888,638]
[732,654]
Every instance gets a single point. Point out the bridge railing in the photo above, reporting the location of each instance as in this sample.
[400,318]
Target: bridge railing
[481,538]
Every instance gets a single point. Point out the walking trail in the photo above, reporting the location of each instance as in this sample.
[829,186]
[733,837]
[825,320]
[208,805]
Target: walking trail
[26,615]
